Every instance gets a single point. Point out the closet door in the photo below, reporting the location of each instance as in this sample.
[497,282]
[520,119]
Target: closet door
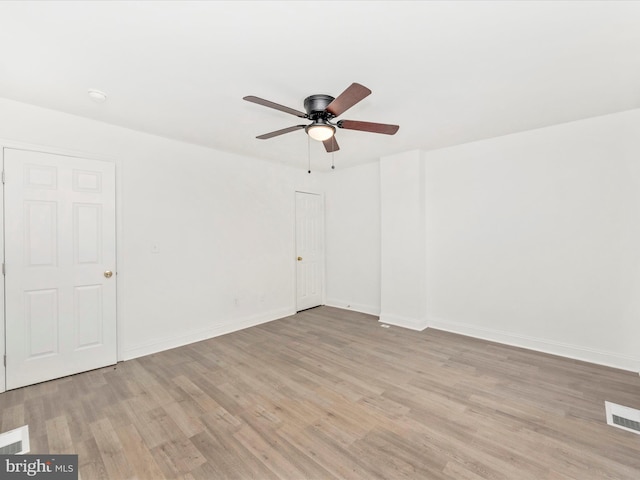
[60,286]
[309,250]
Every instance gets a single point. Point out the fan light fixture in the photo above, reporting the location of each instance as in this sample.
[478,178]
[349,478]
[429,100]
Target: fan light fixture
[321,110]
[320,130]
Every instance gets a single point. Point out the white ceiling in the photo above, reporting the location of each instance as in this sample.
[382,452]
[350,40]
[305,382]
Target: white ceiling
[446,72]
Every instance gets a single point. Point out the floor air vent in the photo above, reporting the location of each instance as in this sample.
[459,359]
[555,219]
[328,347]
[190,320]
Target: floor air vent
[15,442]
[12,448]
[623,417]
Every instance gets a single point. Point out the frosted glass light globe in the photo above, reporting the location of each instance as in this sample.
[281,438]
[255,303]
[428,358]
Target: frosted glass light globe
[321,132]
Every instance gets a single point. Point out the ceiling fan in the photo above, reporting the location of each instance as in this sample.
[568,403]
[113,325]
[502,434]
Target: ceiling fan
[321,110]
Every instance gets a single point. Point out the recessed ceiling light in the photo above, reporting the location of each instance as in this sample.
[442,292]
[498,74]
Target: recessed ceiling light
[97,96]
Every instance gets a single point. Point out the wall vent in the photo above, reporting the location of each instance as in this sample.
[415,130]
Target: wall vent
[15,442]
[623,417]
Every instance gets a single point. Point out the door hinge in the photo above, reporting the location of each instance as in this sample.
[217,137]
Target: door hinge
[2,176]
[5,360]
[3,269]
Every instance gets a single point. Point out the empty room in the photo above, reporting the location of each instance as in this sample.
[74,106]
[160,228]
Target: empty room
[320,240]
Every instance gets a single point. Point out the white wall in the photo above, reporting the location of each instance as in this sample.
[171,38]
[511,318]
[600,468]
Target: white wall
[402,238]
[353,238]
[223,224]
[534,239]
[531,239]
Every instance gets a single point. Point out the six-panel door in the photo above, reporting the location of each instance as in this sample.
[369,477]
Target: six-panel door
[59,242]
[309,250]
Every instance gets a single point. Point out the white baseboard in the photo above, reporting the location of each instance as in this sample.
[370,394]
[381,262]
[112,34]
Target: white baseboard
[418,324]
[575,352]
[205,334]
[357,307]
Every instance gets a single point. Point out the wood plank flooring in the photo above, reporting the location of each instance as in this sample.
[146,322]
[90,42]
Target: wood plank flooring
[328,394]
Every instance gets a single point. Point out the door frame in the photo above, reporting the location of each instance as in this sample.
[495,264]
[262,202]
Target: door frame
[119,268]
[295,248]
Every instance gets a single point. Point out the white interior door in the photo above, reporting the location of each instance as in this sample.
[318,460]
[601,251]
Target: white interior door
[309,250]
[59,250]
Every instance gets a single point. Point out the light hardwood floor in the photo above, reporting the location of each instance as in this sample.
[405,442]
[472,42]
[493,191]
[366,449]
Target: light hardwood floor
[329,394]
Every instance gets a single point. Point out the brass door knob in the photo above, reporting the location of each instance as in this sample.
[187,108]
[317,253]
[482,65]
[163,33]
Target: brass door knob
[299,258]
[108,273]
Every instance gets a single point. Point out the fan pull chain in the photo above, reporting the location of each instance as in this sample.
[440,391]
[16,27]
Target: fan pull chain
[309,154]
[333,163]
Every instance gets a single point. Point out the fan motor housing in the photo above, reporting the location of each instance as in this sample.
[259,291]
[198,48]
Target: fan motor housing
[315,106]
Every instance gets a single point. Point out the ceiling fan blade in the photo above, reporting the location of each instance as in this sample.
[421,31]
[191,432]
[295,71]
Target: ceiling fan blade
[281,132]
[368,126]
[331,144]
[277,106]
[347,99]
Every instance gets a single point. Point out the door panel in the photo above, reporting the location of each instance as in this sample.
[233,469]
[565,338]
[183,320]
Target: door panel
[87,220]
[41,319]
[88,316]
[59,241]
[310,250]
